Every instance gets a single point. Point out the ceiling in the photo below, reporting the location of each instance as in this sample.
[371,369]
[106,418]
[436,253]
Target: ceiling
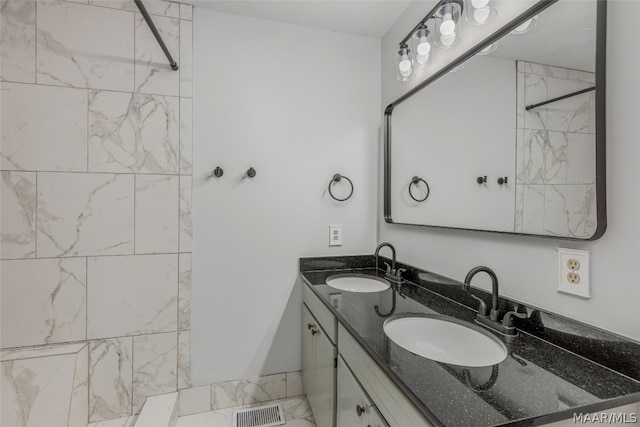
[370,18]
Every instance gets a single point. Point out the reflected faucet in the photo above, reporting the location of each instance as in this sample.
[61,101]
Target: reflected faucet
[391,273]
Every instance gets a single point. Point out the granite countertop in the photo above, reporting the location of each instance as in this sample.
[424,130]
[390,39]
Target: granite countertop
[555,367]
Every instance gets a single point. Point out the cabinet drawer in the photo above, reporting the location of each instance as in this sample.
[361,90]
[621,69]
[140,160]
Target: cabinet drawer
[392,403]
[321,313]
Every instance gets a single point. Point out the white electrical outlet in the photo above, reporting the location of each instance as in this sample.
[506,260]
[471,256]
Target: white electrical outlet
[573,266]
[335,235]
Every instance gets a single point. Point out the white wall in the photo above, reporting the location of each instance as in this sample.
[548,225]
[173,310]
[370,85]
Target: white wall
[527,266]
[298,105]
[483,146]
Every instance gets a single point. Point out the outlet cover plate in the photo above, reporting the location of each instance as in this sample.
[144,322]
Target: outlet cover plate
[569,269]
[335,235]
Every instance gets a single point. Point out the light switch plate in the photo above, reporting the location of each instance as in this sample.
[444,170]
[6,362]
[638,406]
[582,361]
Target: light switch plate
[573,267]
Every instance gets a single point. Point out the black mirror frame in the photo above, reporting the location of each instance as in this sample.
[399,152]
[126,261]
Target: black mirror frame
[601,187]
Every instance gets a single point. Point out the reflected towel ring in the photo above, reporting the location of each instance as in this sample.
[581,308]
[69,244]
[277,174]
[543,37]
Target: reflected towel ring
[415,181]
[337,178]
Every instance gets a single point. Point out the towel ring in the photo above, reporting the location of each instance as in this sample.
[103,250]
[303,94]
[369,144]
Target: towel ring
[415,181]
[337,178]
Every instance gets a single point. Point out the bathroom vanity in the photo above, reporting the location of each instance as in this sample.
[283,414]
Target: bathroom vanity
[354,375]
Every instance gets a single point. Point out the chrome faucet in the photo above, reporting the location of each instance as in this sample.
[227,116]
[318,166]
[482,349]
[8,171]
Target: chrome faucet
[492,318]
[391,273]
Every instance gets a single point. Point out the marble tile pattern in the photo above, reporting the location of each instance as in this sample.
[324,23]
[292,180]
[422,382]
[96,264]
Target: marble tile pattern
[184,359]
[131,132]
[555,179]
[115,422]
[141,289]
[18,215]
[110,378]
[184,292]
[194,400]
[41,122]
[186,136]
[186,191]
[46,297]
[186,58]
[247,391]
[153,72]
[45,390]
[155,358]
[155,7]
[156,203]
[18,41]
[95,206]
[85,214]
[84,46]
[294,384]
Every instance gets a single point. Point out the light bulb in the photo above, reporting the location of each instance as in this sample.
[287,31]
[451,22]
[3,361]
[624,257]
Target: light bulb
[404,66]
[448,26]
[447,40]
[424,47]
[479,4]
[482,14]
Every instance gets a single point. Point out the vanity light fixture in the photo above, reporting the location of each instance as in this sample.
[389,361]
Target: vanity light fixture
[422,42]
[442,28]
[405,66]
[479,12]
[447,18]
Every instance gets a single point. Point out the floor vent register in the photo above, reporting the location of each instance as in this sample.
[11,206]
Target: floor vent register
[260,416]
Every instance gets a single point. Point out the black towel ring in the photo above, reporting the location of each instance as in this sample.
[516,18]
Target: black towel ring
[415,181]
[337,178]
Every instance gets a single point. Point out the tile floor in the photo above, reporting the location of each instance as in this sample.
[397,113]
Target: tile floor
[296,409]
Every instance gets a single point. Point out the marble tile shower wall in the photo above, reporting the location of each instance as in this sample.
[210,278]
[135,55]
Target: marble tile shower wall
[555,183]
[96,161]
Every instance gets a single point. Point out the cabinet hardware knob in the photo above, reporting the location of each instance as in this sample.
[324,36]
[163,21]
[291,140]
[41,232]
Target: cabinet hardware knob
[314,331]
[481,179]
[309,325]
[251,172]
[502,180]
[359,410]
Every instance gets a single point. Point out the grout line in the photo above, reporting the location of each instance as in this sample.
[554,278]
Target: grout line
[86,333]
[129,92]
[94,173]
[95,256]
[88,130]
[36,52]
[135,211]
[35,224]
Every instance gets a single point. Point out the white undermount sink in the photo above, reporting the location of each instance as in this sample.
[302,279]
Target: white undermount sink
[445,339]
[357,283]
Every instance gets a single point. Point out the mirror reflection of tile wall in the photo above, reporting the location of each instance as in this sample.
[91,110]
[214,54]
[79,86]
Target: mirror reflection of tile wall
[555,195]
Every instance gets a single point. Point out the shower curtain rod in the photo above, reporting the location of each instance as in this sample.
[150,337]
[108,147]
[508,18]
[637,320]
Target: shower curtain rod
[154,30]
[569,95]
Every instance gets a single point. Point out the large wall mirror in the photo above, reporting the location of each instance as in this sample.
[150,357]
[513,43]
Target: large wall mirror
[510,137]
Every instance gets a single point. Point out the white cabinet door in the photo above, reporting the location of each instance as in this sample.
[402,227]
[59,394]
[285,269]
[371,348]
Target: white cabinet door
[375,419]
[318,370]
[354,409]
[307,356]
